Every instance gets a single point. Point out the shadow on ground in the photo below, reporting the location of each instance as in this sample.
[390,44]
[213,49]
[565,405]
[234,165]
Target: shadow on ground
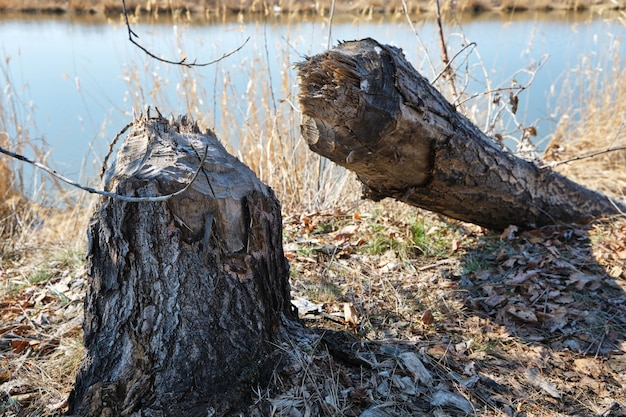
[523,323]
[559,299]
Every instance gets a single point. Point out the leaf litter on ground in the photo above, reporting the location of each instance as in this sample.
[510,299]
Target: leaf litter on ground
[411,314]
[525,323]
[40,338]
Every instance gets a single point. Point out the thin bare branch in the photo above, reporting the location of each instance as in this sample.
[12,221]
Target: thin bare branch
[517,90]
[449,63]
[589,155]
[419,39]
[442,41]
[484,93]
[444,52]
[330,24]
[108,155]
[132,36]
[92,190]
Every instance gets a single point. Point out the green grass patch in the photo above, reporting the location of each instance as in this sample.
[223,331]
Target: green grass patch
[430,239]
[72,257]
[41,276]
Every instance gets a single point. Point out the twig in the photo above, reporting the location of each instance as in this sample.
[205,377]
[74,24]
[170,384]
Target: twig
[132,35]
[330,23]
[92,190]
[444,51]
[330,264]
[442,41]
[484,93]
[435,265]
[414,30]
[447,67]
[519,88]
[108,155]
[208,181]
[589,155]
[321,162]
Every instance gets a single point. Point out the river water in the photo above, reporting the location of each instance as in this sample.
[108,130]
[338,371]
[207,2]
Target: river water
[74,83]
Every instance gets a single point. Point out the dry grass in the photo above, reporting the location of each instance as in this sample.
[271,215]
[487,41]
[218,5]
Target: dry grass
[503,325]
[15,208]
[595,127]
[213,7]
[524,324]
[9,196]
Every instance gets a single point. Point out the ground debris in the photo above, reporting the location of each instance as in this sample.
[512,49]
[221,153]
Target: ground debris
[409,314]
[529,314]
[40,337]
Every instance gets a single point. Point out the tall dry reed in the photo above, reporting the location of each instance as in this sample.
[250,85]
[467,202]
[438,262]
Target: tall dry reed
[257,119]
[222,7]
[29,197]
[593,122]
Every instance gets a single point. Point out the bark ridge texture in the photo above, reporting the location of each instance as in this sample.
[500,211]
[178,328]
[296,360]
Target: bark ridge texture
[186,296]
[366,108]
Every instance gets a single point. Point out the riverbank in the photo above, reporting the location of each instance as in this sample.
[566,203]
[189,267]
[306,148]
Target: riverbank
[528,322]
[213,7]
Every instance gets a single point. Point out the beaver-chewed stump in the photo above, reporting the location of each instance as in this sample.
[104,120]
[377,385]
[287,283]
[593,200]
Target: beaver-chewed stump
[187,296]
[366,108]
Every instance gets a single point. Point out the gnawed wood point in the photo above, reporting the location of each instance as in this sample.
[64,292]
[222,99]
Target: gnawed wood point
[366,108]
[188,297]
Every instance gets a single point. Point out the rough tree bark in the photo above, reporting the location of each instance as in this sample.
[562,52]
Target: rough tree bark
[186,296]
[366,108]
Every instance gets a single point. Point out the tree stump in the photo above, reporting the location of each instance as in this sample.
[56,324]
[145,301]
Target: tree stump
[187,295]
[366,108]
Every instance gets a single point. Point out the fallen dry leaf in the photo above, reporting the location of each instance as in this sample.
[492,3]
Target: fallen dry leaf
[350,314]
[427,318]
[443,398]
[509,233]
[415,366]
[534,378]
[522,312]
[581,280]
[588,366]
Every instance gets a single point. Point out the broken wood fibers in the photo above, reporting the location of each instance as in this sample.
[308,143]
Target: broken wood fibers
[366,108]
[187,298]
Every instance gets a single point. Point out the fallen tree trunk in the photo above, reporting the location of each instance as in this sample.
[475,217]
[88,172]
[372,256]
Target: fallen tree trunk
[189,296]
[366,108]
